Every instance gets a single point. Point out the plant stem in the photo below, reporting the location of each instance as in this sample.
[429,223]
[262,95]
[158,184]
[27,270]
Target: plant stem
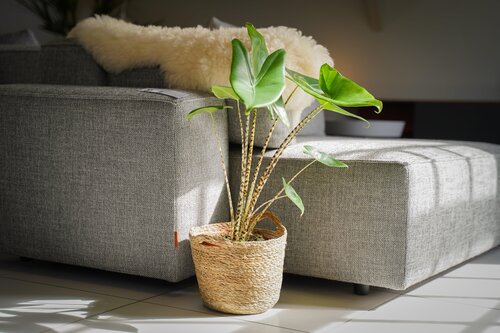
[291,94]
[261,157]
[248,167]
[277,196]
[224,169]
[236,228]
[269,201]
[274,160]
[259,163]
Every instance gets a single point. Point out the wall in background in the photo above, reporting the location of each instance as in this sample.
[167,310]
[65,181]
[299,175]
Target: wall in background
[446,50]
[14,17]
[425,50]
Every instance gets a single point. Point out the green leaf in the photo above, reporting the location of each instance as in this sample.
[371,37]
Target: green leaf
[208,109]
[293,196]
[259,48]
[324,158]
[343,91]
[304,81]
[262,90]
[278,109]
[332,107]
[241,78]
[222,92]
[312,87]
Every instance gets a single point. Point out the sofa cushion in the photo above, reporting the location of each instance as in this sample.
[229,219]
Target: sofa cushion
[403,211]
[19,64]
[66,62]
[147,77]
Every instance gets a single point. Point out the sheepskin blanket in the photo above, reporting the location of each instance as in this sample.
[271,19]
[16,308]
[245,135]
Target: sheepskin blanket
[193,58]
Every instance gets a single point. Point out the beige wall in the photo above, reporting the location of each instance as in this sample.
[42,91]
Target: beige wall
[426,50]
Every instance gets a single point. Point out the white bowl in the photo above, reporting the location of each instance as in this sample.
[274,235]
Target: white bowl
[377,129]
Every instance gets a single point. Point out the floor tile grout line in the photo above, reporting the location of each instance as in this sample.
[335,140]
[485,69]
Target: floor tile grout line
[76,289]
[437,300]
[99,313]
[224,316]
[429,298]
[172,307]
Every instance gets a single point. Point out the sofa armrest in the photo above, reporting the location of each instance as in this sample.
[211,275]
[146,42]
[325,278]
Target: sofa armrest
[103,176]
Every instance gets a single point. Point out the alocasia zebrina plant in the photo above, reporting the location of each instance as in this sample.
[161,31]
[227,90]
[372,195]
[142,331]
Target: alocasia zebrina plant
[257,81]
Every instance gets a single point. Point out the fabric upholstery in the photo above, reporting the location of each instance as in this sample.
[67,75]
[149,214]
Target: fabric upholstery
[101,177]
[403,211]
[147,77]
[315,127]
[263,124]
[66,62]
[19,64]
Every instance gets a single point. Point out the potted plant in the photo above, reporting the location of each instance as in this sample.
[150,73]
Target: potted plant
[239,267]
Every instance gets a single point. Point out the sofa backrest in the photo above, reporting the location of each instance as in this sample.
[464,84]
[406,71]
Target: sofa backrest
[65,62]
[19,64]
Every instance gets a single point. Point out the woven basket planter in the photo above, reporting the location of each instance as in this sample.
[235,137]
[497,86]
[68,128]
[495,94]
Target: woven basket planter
[238,277]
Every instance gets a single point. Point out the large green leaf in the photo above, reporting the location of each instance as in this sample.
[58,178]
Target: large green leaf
[312,87]
[293,196]
[241,78]
[278,109]
[323,157]
[343,91]
[259,48]
[222,92]
[205,109]
[305,82]
[332,107]
[262,90]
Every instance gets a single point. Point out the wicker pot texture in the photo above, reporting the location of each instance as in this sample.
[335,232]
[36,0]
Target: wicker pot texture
[239,277]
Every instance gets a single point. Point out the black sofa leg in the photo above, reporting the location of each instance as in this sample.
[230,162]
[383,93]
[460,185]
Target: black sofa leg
[361,289]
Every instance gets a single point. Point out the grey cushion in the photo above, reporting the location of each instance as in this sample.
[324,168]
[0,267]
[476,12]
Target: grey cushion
[19,64]
[263,124]
[315,127]
[403,211]
[147,77]
[66,62]
[101,177]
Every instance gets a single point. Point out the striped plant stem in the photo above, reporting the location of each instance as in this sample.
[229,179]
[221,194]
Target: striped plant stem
[257,167]
[244,140]
[248,170]
[224,169]
[272,164]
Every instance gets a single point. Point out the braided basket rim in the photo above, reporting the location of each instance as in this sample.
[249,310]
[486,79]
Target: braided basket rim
[212,233]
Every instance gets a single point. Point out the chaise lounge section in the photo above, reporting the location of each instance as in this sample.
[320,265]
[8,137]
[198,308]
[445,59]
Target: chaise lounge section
[402,212]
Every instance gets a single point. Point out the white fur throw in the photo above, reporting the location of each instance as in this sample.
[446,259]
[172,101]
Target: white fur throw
[193,58]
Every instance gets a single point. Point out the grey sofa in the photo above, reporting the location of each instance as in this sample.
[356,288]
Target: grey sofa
[94,171]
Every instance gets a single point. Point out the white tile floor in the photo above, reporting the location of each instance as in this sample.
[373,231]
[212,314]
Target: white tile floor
[38,296]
